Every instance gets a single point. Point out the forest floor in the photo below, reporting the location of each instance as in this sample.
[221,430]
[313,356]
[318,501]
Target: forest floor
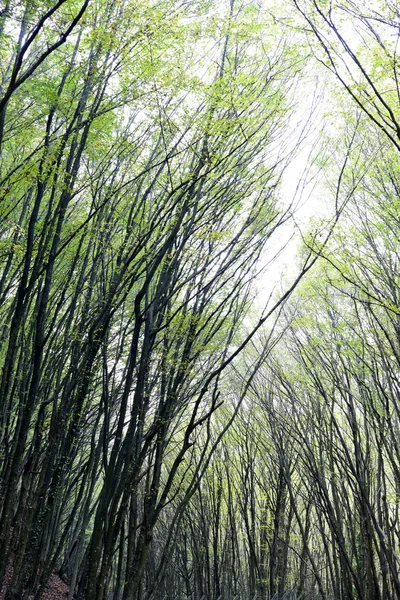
[56,588]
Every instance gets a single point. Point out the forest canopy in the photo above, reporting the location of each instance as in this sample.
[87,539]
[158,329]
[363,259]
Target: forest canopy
[199,300]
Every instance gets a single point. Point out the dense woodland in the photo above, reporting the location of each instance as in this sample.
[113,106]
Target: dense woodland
[172,424]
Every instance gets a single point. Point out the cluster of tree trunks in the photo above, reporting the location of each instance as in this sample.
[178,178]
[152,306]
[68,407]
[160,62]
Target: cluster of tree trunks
[151,446]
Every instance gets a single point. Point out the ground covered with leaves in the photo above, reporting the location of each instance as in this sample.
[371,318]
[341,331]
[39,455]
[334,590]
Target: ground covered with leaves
[56,588]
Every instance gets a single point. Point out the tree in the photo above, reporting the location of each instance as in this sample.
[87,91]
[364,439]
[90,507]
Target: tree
[137,199]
